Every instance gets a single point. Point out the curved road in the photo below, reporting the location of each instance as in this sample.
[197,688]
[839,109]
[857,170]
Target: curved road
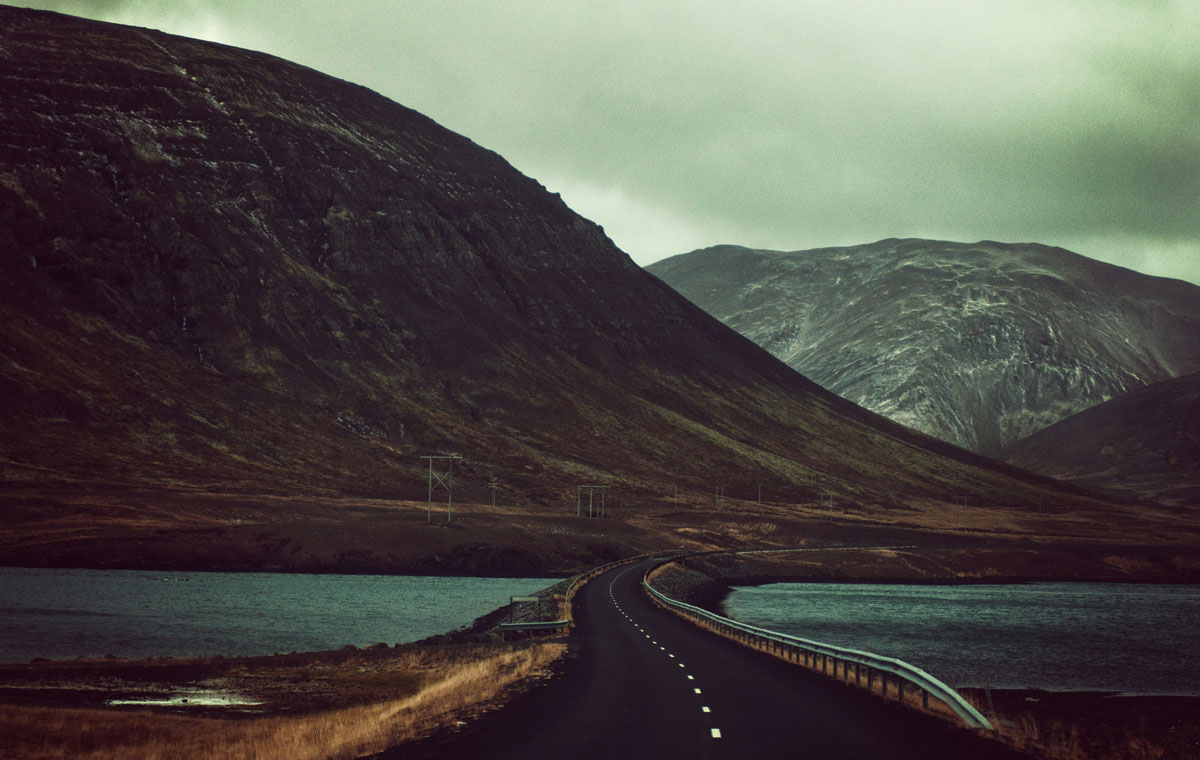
[642,683]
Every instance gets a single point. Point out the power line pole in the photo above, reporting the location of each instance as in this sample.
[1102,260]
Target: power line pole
[445,479]
[493,486]
[592,509]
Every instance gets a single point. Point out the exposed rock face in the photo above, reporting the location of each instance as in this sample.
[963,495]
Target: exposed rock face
[1145,443]
[977,344]
[223,271]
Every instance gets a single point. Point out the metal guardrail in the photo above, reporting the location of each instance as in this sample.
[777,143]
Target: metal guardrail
[568,618]
[536,625]
[530,627]
[584,577]
[803,649]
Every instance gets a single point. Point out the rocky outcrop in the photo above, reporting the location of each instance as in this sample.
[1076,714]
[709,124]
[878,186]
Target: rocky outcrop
[977,344]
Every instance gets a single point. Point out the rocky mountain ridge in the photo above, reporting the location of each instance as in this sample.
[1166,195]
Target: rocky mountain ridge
[977,344]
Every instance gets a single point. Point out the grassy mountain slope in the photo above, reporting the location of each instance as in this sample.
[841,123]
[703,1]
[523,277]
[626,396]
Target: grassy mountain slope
[1145,443]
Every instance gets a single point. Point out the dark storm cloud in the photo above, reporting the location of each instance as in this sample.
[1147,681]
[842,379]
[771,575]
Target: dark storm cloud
[790,124]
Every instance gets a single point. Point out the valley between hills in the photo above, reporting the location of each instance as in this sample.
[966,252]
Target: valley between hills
[242,300]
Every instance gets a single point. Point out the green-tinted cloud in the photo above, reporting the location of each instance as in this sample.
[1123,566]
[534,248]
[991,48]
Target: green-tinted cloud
[787,124]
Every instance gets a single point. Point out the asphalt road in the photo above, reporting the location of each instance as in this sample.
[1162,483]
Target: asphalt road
[643,683]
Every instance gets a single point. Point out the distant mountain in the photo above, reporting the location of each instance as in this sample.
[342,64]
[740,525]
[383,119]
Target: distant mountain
[1145,443]
[977,344]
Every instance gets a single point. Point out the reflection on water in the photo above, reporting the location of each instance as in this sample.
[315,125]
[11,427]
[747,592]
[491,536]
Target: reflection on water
[60,614]
[1057,636]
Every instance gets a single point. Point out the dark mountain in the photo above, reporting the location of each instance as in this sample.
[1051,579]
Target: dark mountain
[1145,443]
[977,344]
[236,286]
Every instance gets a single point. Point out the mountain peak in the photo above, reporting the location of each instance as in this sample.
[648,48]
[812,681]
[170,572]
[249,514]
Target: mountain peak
[979,344]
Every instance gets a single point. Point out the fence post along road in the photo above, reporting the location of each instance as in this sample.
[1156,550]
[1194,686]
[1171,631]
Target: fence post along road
[641,681]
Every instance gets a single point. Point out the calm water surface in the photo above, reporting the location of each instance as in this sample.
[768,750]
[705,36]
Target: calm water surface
[1057,636]
[61,614]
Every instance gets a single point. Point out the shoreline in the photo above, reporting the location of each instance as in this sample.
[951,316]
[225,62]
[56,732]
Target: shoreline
[47,706]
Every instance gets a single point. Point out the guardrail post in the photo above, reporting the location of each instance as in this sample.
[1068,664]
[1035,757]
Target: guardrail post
[900,690]
[924,700]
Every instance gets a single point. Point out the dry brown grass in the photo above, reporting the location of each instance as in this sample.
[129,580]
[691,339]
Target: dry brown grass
[454,691]
[1065,739]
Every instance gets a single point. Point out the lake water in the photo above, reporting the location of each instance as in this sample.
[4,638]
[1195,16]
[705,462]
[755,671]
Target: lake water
[60,614]
[1139,639]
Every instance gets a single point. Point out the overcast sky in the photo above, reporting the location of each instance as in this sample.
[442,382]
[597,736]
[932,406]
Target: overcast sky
[679,124]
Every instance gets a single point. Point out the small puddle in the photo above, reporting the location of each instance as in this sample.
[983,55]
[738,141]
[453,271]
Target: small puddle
[194,699]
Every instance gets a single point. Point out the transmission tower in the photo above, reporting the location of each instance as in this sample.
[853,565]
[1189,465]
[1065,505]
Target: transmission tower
[445,479]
